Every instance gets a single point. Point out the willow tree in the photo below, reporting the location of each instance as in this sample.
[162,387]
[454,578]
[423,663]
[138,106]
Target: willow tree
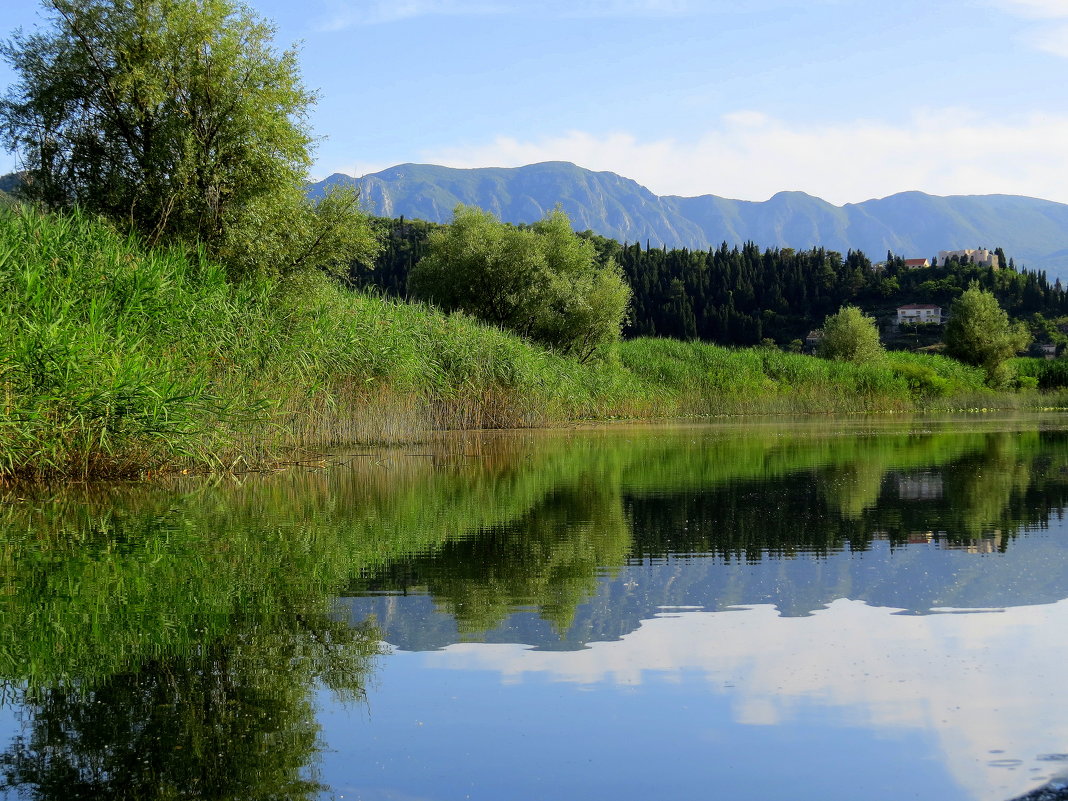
[180,119]
[543,282]
[979,332]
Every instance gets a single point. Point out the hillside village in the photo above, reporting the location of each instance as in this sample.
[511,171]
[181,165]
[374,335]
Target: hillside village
[918,325]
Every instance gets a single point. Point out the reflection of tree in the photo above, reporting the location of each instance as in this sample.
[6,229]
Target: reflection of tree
[230,720]
[741,498]
[1013,480]
[744,521]
[1008,481]
[853,487]
[982,486]
[198,620]
[548,559]
[165,646]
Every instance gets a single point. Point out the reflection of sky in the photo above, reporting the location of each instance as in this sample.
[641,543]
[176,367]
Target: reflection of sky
[853,701]
[916,577]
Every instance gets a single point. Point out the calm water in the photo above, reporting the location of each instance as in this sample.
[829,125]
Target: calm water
[868,609]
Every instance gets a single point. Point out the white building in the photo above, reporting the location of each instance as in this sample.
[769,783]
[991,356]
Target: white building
[987,258]
[913,313]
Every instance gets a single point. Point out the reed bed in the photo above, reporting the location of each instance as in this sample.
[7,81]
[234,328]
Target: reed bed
[117,360]
[699,378]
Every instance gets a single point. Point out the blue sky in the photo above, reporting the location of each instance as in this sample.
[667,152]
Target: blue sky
[844,99]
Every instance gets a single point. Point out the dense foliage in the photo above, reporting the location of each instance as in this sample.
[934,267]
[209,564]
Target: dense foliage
[979,332]
[744,295]
[542,282]
[849,335]
[181,121]
[165,363]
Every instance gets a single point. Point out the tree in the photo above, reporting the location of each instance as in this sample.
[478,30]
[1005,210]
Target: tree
[849,335]
[980,333]
[179,119]
[544,282]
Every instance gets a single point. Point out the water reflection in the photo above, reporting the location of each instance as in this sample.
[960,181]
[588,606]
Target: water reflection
[176,640]
[965,686]
[688,512]
[156,645]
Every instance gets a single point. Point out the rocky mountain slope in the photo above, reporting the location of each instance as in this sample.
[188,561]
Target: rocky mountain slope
[911,224]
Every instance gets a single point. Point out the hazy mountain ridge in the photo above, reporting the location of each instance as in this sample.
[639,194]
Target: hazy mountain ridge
[911,224]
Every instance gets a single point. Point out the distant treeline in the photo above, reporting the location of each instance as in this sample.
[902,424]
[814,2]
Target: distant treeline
[743,295]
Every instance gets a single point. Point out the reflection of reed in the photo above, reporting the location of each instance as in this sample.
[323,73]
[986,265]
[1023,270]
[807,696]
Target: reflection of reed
[523,518]
[231,720]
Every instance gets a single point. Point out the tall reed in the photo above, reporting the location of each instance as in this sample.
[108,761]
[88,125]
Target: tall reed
[116,360]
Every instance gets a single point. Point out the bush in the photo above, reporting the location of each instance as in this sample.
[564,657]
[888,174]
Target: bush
[849,335]
[922,380]
[544,283]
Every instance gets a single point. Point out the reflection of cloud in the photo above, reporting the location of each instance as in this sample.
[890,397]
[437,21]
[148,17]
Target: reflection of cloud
[980,682]
[750,155]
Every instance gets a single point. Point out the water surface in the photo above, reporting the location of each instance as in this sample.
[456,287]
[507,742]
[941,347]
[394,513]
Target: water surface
[824,610]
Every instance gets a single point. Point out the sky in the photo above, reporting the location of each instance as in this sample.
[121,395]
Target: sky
[844,99]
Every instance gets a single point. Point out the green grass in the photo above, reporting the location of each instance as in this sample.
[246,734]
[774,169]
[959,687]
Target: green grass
[700,378]
[116,361]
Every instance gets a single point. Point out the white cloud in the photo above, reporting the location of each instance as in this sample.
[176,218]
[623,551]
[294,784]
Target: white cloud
[1052,34]
[1053,40]
[1037,9]
[623,8]
[750,155]
[347,13]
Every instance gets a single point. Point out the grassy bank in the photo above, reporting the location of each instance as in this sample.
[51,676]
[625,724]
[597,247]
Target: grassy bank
[117,360]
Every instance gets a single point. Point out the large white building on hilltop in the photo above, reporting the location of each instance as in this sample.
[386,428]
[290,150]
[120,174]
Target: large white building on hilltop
[979,256]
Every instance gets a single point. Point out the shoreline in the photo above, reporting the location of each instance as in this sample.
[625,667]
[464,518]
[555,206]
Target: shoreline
[132,361]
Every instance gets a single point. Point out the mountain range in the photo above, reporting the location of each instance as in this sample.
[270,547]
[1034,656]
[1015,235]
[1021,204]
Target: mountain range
[911,224]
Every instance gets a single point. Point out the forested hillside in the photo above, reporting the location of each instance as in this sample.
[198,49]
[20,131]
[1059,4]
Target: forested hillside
[743,295]
[913,224]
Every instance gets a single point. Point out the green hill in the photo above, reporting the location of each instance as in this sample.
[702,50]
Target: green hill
[912,224]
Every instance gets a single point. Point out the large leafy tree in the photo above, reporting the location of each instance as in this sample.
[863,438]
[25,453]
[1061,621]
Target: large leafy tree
[543,282]
[179,118]
[979,332]
[850,335]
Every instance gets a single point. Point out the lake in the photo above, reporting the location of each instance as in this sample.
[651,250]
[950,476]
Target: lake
[808,609]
